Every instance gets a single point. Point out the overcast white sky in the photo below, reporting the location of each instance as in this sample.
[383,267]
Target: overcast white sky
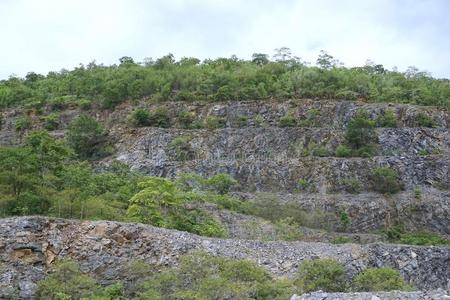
[48,35]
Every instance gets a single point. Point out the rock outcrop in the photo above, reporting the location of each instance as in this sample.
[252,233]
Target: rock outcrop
[29,245]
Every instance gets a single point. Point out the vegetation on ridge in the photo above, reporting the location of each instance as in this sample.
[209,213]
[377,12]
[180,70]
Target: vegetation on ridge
[188,79]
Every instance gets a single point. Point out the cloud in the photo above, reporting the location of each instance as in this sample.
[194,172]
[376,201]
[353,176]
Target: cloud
[48,35]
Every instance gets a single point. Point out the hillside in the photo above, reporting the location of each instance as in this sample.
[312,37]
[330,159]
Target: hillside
[102,181]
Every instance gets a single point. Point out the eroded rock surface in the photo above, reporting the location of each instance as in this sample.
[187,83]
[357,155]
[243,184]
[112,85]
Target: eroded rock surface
[29,245]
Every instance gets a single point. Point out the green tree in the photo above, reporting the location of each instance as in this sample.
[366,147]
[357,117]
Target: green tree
[153,203]
[86,137]
[67,282]
[321,274]
[380,279]
[360,134]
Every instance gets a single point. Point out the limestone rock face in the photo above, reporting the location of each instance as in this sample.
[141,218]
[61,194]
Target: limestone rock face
[29,245]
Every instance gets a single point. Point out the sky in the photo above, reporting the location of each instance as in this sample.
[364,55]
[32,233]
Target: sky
[49,35]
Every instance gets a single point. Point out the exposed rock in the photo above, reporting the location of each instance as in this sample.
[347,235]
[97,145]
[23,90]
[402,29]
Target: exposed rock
[428,295]
[92,245]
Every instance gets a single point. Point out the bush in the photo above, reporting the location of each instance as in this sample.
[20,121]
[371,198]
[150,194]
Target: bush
[198,222]
[352,185]
[185,119]
[424,120]
[386,180]
[241,121]
[220,183]
[321,274]
[320,151]
[67,282]
[343,151]
[202,276]
[141,117]
[423,239]
[360,133]
[51,122]
[341,240]
[388,119]
[380,279]
[287,121]
[23,123]
[159,118]
[212,122]
[182,149]
[86,137]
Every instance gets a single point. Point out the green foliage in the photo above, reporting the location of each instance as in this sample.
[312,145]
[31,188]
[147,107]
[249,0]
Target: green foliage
[345,220]
[141,117]
[220,183]
[159,118]
[201,276]
[321,274]
[303,184]
[287,121]
[320,151]
[67,282]
[388,119]
[424,120]
[270,208]
[241,121]
[343,151]
[212,122]
[352,185]
[86,137]
[360,134]
[51,122]
[341,240]
[380,279]
[386,180]
[182,149]
[224,79]
[160,202]
[185,119]
[157,199]
[23,123]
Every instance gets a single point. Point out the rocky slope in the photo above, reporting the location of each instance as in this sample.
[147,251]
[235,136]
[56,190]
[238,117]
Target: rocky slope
[30,244]
[280,164]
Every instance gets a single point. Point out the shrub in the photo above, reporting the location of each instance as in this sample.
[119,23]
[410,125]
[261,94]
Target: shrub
[321,274]
[67,282]
[303,184]
[182,149]
[259,120]
[360,134]
[345,220]
[287,121]
[341,240]
[141,117]
[352,185]
[241,121]
[423,239]
[202,276]
[380,279]
[388,119]
[320,151]
[51,122]
[159,118]
[23,123]
[85,104]
[343,151]
[213,122]
[386,180]
[220,183]
[185,119]
[198,222]
[424,120]
[86,137]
